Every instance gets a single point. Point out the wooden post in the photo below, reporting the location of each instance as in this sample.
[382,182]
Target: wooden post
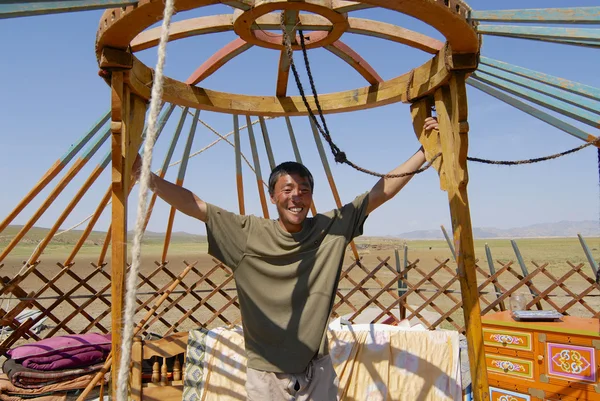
[451,107]
[127,113]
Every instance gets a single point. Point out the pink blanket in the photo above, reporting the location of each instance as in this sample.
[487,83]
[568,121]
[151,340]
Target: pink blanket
[64,352]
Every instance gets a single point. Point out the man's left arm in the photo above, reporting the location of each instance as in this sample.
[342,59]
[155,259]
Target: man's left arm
[386,188]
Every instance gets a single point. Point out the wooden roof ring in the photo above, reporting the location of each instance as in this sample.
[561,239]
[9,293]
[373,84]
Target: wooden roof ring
[119,28]
[224,23]
[242,24]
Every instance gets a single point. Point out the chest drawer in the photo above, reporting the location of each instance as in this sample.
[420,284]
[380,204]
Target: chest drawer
[499,394]
[510,366]
[508,339]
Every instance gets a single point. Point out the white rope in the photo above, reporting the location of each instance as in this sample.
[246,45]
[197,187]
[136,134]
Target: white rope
[151,134]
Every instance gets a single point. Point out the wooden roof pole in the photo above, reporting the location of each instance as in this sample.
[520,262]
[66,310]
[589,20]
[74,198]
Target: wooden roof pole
[451,108]
[259,180]
[239,179]
[128,114]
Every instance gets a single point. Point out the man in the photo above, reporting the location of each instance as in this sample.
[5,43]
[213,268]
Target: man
[286,273]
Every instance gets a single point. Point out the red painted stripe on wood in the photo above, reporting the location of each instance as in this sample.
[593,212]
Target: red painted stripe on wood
[344,52]
[217,60]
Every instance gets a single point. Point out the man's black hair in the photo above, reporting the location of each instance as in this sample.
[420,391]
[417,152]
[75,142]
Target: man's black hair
[289,168]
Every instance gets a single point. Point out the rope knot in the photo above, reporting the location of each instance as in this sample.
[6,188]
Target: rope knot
[340,157]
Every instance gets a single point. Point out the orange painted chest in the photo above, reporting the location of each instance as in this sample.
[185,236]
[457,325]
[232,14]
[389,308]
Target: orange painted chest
[542,361]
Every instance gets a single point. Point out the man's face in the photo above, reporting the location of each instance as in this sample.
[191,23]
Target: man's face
[293,197]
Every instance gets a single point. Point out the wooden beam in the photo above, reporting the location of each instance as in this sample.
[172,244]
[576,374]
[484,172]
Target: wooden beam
[239,178]
[572,15]
[573,36]
[561,83]
[296,150]
[292,19]
[162,121]
[223,23]
[532,111]
[394,33]
[239,4]
[552,103]
[217,60]
[267,140]
[343,6]
[425,79]
[180,180]
[119,27]
[183,29]
[283,74]
[451,108]
[28,8]
[166,162]
[330,180]
[128,114]
[90,226]
[353,59]
[120,182]
[69,208]
[259,181]
[592,106]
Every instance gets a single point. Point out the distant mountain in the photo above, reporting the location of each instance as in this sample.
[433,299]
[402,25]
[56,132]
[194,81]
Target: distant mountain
[587,228]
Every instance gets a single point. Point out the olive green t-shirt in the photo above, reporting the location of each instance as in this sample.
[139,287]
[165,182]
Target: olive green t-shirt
[286,282]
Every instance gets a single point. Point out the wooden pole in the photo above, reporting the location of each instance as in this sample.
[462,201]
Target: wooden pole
[259,180]
[334,191]
[239,178]
[452,112]
[127,113]
[179,182]
[313,208]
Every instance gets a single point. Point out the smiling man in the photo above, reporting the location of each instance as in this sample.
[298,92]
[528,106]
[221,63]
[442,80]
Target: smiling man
[286,273]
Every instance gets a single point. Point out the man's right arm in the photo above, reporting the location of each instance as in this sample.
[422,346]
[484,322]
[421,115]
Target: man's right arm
[180,198]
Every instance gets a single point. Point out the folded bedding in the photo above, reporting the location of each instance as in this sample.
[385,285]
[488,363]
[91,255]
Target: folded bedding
[24,377]
[62,391]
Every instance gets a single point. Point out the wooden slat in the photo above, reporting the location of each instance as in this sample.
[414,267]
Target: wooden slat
[557,82]
[31,7]
[354,60]
[532,111]
[259,180]
[554,102]
[179,182]
[571,15]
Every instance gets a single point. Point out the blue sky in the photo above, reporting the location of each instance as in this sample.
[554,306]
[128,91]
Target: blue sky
[51,95]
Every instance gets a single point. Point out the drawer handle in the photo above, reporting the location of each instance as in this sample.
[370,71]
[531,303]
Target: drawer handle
[540,358]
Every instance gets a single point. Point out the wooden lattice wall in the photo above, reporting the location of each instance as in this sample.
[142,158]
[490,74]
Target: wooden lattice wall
[76,298]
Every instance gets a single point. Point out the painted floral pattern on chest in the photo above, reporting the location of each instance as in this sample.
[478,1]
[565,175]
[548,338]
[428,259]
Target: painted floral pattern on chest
[572,362]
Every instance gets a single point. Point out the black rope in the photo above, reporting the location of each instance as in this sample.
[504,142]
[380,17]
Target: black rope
[531,161]
[340,156]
